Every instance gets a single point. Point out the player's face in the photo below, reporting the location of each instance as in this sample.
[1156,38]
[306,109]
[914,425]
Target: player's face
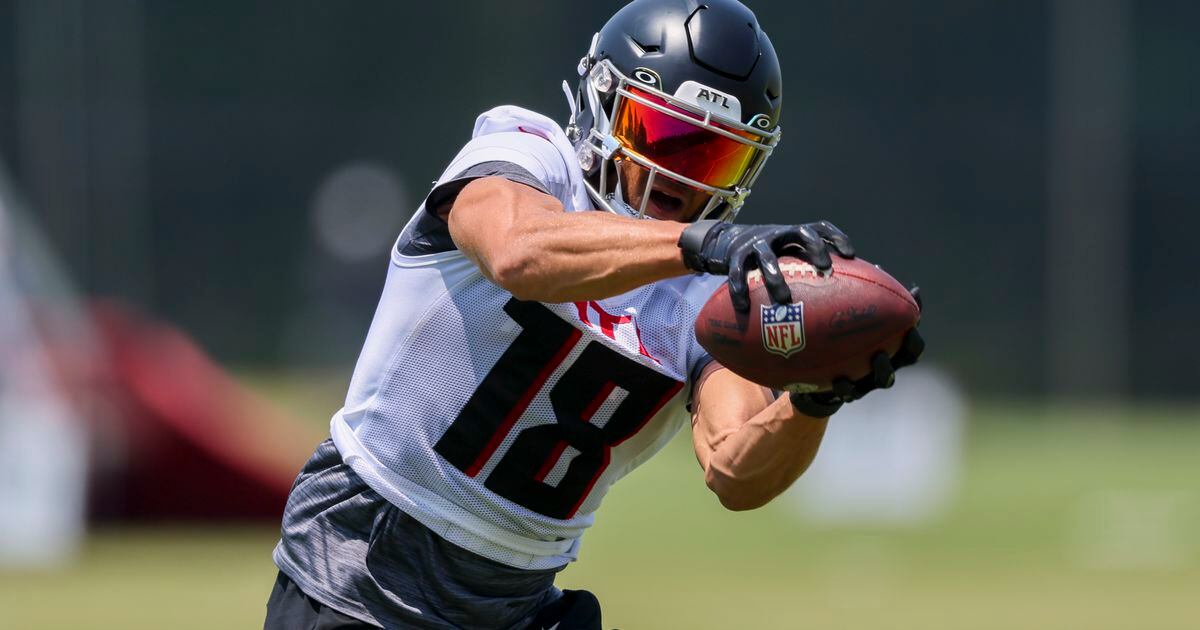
[669,199]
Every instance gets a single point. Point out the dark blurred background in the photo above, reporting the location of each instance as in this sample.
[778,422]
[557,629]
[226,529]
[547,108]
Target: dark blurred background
[1034,166]
[197,200]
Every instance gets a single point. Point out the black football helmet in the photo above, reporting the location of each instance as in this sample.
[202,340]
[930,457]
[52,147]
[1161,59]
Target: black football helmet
[687,90]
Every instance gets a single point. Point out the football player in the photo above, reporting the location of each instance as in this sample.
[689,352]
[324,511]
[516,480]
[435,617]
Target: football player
[534,341]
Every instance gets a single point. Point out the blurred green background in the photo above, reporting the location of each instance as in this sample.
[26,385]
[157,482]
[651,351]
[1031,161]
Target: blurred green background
[1072,518]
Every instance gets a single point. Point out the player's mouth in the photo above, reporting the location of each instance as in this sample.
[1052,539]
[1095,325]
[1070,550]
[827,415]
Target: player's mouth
[667,199]
[665,205]
[671,200]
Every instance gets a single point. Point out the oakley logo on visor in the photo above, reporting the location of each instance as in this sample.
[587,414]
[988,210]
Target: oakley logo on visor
[711,100]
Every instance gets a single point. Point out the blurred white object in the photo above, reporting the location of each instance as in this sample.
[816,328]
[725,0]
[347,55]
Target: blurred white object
[892,458]
[42,480]
[358,210]
[43,444]
[1135,529]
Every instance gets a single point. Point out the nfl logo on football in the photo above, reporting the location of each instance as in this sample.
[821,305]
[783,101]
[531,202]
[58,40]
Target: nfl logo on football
[783,328]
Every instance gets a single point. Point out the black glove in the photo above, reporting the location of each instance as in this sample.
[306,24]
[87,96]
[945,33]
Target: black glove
[723,248]
[882,376]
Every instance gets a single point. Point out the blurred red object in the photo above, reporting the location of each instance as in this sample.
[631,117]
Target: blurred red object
[175,437]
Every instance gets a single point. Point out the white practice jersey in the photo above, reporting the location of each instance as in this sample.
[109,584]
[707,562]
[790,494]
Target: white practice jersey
[500,424]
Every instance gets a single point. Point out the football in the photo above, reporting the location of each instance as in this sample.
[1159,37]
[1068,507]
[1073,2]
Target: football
[833,327]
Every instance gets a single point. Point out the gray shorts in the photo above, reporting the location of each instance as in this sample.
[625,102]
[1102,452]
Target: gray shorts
[348,548]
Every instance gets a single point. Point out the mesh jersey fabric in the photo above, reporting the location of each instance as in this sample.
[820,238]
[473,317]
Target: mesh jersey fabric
[499,455]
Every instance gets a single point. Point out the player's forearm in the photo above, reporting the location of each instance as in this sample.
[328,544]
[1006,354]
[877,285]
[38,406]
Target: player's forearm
[755,463]
[567,257]
[524,242]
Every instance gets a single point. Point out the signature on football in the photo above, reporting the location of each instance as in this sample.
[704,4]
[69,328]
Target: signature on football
[852,317]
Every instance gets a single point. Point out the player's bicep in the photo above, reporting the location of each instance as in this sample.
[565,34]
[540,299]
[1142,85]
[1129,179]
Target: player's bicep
[485,218]
[722,403]
[521,158]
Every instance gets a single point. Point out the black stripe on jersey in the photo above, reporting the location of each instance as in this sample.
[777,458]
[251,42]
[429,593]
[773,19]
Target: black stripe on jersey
[507,389]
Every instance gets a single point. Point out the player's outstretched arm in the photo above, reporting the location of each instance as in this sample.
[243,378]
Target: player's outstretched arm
[751,446]
[523,241]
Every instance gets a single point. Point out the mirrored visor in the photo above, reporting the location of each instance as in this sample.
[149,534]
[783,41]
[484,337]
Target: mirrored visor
[687,148]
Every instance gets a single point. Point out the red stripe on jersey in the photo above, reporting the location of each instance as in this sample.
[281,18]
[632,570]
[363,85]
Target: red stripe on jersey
[586,416]
[593,406]
[642,347]
[591,484]
[653,412]
[608,451]
[550,461]
[511,418]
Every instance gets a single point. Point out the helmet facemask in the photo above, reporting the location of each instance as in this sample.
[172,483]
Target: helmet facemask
[665,137]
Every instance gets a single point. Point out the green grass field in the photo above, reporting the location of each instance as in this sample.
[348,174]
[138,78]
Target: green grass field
[1064,520]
